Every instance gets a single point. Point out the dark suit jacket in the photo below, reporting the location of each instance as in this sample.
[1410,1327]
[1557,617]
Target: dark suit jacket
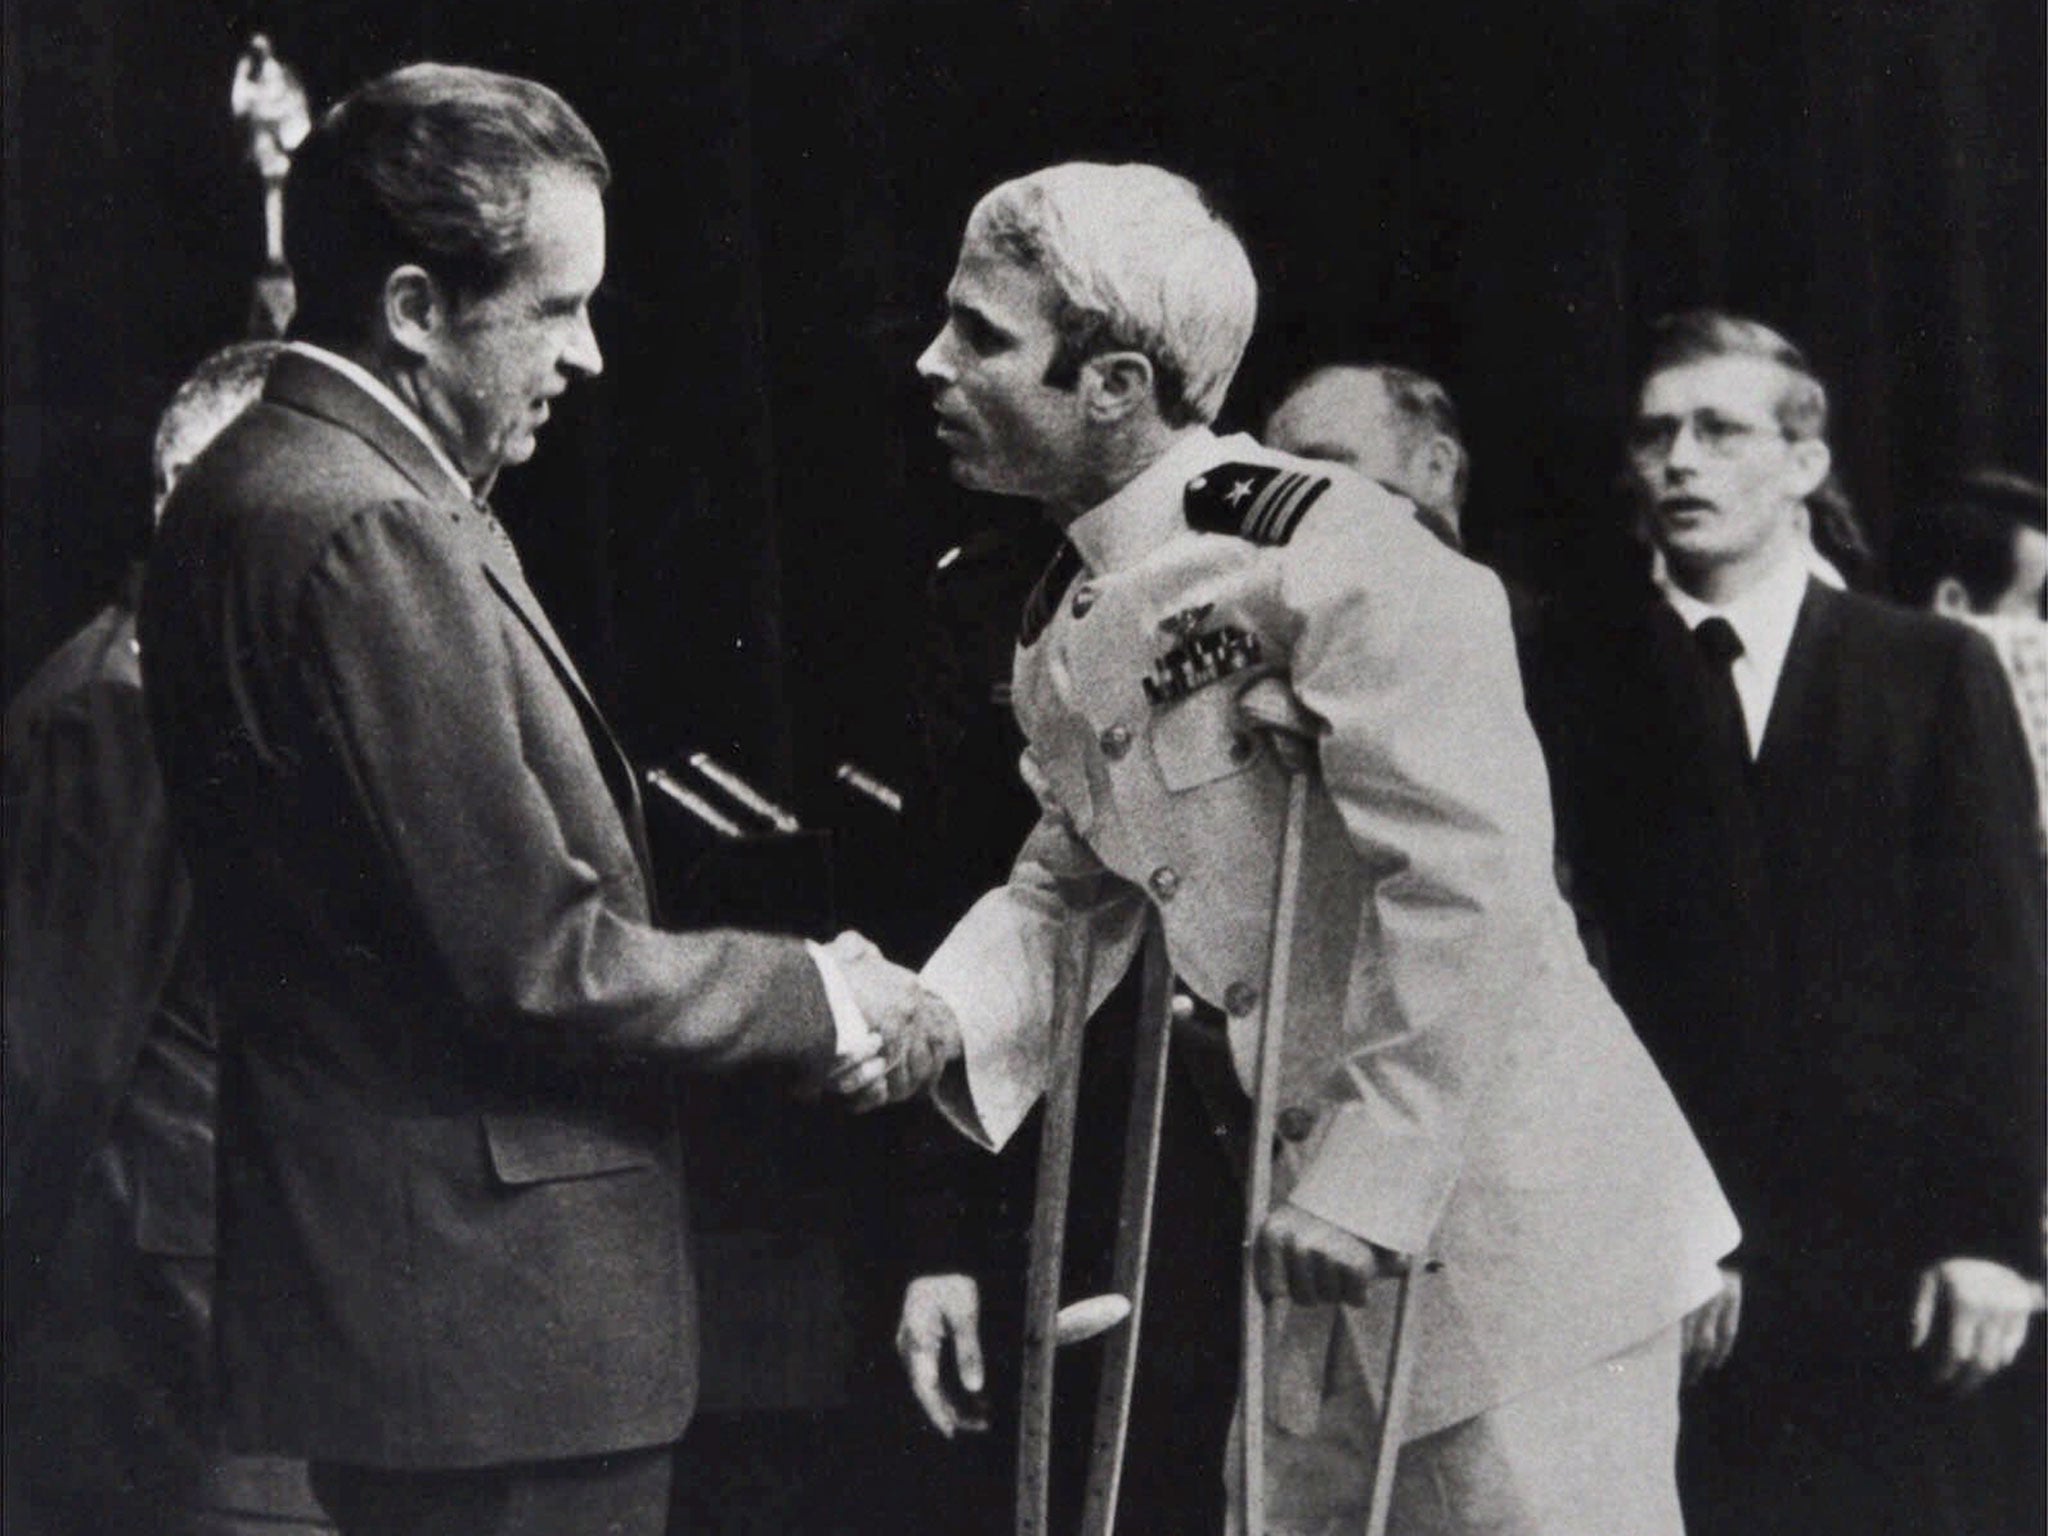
[96,908]
[1657,837]
[111,1076]
[1897,1118]
[1835,958]
[452,1208]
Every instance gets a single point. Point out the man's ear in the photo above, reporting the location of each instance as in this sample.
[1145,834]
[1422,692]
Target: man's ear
[1810,464]
[1951,597]
[1440,457]
[415,309]
[1114,384]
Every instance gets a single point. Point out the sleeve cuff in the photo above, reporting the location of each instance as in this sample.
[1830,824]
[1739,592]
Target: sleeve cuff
[1001,1071]
[852,1035]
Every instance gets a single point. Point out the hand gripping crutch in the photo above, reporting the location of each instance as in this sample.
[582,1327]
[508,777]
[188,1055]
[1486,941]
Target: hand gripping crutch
[1047,1325]
[1271,708]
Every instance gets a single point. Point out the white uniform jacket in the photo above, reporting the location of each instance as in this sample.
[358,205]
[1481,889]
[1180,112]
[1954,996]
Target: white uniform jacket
[1456,1081]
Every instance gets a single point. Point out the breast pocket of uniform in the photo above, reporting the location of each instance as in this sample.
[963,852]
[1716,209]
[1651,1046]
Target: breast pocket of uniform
[1202,738]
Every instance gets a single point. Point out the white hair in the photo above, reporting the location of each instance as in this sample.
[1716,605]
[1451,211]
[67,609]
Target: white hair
[225,384]
[1140,262]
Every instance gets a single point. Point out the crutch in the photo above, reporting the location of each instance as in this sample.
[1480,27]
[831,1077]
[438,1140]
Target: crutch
[1271,708]
[1386,1446]
[1049,1327]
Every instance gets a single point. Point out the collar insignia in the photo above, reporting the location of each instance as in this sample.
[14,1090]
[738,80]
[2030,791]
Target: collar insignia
[1045,597]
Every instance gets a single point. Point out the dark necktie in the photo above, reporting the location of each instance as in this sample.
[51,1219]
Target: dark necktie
[1720,645]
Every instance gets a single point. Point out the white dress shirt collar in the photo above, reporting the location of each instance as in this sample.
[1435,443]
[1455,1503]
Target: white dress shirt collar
[380,392]
[1763,618]
[1147,511]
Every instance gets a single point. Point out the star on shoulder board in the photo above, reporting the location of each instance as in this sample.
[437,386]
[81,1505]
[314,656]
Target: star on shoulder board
[1260,502]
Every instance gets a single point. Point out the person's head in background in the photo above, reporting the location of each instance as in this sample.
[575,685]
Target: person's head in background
[225,384]
[1728,455]
[1391,424]
[1979,550]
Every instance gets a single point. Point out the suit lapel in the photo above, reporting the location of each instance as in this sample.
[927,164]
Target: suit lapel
[308,385]
[502,571]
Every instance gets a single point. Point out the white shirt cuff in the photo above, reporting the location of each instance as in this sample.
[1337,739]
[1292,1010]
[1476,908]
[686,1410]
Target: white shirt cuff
[856,1037]
[1005,1040]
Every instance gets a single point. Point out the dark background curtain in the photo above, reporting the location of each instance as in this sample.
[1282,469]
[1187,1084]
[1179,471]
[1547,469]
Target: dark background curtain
[734,527]
[734,523]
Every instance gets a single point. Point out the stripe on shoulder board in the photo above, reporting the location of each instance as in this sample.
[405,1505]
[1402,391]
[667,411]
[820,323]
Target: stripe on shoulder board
[1276,510]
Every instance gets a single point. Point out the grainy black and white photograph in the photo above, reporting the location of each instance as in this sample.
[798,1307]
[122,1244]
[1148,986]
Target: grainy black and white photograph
[1025,768]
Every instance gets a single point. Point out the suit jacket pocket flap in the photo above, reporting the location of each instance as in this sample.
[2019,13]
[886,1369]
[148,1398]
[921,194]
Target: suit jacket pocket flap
[532,1149]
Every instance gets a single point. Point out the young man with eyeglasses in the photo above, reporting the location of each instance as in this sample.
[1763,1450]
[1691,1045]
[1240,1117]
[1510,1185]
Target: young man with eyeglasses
[1878,1125]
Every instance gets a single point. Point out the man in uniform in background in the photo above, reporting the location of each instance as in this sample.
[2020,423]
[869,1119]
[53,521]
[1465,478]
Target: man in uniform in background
[1400,427]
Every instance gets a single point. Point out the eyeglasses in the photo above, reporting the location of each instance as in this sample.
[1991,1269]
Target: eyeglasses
[1651,438]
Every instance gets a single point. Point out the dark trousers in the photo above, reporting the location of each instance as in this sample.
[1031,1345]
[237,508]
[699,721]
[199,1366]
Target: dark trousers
[625,1493]
[108,1409]
[1779,1447]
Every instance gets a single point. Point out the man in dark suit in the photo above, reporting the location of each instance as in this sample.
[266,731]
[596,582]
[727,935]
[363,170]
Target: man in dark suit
[1880,1132]
[110,1079]
[454,1270]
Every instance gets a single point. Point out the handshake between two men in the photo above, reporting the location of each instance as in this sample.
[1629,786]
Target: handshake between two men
[911,1032]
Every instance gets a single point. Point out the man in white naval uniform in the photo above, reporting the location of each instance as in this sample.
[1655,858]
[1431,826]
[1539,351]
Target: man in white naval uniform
[1456,1083]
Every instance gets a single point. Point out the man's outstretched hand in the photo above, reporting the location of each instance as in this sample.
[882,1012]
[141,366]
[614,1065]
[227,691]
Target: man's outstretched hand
[918,1033]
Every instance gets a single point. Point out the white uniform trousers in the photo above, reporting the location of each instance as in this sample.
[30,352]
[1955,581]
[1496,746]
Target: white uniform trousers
[1592,1454]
